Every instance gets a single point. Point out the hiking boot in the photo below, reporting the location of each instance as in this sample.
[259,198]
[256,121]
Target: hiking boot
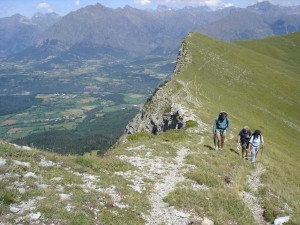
[216,148]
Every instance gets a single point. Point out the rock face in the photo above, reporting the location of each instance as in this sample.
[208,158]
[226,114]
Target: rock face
[161,112]
[156,120]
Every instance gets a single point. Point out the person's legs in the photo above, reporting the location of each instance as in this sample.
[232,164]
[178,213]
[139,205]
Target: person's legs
[252,155]
[248,153]
[254,152]
[218,138]
[244,154]
[247,157]
[245,151]
[222,134]
[222,141]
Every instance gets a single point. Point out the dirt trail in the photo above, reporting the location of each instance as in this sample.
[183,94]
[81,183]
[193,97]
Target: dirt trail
[161,212]
[166,173]
[250,199]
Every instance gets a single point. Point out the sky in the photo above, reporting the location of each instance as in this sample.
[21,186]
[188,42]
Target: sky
[62,7]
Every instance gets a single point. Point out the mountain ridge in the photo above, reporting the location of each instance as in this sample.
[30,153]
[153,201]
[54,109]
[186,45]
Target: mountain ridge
[19,32]
[137,32]
[150,31]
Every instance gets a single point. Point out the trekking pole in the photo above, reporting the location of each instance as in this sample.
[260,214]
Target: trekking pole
[215,139]
[262,148]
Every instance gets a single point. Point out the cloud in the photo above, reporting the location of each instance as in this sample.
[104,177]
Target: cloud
[77,2]
[45,7]
[228,5]
[143,2]
[212,3]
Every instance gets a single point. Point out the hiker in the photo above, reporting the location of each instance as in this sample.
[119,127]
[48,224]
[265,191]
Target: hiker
[256,141]
[221,124]
[243,141]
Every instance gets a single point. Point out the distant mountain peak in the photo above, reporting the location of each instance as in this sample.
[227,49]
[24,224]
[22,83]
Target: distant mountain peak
[21,19]
[127,7]
[95,7]
[99,5]
[18,16]
[164,8]
[263,6]
[202,8]
[45,15]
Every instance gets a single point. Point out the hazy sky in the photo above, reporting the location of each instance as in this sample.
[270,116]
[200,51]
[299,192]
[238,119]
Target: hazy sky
[62,7]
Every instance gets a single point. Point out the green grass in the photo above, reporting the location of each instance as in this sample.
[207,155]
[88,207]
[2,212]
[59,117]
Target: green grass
[139,136]
[221,201]
[7,197]
[257,83]
[84,203]
[220,204]
[191,124]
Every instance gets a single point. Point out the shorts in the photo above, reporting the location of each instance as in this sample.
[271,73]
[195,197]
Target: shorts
[221,132]
[245,145]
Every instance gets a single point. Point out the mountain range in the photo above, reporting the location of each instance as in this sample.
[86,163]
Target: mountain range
[133,32]
[18,32]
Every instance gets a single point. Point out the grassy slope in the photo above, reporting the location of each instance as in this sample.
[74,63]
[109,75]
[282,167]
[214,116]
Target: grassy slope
[256,86]
[257,83]
[85,200]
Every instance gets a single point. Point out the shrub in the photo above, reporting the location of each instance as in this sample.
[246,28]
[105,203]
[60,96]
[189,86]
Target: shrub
[142,135]
[205,177]
[7,196]
[191,124]
[167,110]
[83,161]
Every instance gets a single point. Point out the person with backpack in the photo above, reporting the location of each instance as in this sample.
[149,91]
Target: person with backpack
[222,123]
[243,141]
[256,141]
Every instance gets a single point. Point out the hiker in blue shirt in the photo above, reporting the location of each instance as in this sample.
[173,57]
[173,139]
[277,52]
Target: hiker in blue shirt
[222,123]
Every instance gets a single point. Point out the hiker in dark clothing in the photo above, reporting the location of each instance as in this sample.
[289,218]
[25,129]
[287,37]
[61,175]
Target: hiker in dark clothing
[222,123]
[243,141]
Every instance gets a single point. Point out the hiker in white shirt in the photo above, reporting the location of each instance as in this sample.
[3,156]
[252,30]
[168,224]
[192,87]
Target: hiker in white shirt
[256,141]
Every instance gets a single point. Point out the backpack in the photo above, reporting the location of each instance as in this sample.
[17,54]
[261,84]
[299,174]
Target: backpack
[219,119]
[253,136]
[244,137]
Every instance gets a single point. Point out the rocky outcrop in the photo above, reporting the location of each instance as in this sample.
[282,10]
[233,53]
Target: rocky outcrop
[161,112]
[183,58]
[156,116]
